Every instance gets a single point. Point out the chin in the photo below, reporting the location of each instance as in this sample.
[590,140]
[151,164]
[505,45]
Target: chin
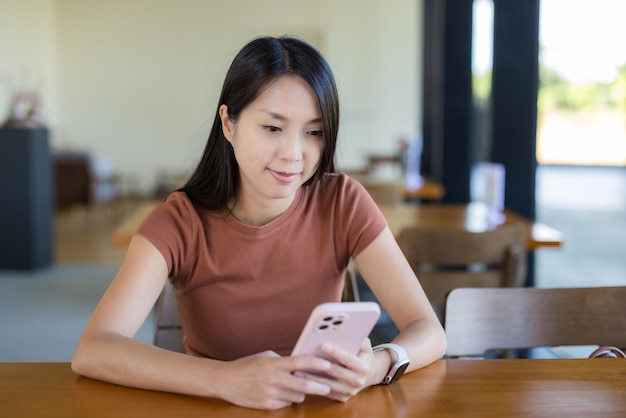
[284,194]
[285,191]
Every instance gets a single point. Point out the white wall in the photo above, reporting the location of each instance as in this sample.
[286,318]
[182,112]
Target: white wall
[28,53]
[139,80]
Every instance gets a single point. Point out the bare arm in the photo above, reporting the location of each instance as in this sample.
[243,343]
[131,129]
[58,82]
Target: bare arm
[389,275]
[107,350]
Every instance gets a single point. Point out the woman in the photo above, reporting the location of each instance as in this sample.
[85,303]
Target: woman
[262,232]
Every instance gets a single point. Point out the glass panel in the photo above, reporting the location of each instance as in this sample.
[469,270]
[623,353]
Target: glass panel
[581,142]
[482,66]
[582,95]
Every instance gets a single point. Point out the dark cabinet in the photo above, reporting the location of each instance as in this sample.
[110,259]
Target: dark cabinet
[26,207]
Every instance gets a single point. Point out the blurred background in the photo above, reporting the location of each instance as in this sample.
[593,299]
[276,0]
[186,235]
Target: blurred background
[137,82]
[131,87]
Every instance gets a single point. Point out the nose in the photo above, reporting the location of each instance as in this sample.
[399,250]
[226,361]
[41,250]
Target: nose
[291,148]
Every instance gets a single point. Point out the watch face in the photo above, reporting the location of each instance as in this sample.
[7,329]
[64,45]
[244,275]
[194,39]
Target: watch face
[399,372]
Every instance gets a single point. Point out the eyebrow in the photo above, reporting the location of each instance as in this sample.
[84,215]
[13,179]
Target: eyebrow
[281,117]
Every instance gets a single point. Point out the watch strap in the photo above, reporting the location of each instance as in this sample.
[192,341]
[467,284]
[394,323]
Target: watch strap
[400,361]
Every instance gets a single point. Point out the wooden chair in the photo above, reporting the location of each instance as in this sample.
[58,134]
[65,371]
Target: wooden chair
[385,192]
[169,333]
[71,180]
[78,182]
[477,320]
[446,258]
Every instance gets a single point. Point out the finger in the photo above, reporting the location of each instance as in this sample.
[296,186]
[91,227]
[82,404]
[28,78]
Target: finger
[294,389]
[311,363]
[304,385]
[339,397]
[267,354]
[366,346]
[345,359]
[339,389]
[285,389]
[344,380]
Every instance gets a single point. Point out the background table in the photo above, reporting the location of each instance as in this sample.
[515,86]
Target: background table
[447,388]
[466,216]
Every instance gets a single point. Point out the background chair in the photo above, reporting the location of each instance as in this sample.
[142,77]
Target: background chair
[169,333]
[385,192]
[477,320]
[81,178]
[445,258]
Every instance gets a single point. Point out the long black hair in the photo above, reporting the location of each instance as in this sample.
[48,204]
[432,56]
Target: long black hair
[215,181]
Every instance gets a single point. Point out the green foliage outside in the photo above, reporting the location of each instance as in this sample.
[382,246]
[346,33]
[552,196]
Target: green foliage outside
[481,85]
[555,93]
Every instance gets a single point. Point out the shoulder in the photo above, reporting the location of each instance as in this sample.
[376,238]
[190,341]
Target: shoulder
[343,195]
[340,184]
[172,227]
[178,200]
[177,211]
[356,218]
[178,205]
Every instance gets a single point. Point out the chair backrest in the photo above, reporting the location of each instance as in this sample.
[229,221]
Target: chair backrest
[447,258]
[169,332]
[477,320]
[385,192]
[73,180]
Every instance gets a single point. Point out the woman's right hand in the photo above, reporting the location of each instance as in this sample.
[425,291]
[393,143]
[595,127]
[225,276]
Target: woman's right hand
[267,381]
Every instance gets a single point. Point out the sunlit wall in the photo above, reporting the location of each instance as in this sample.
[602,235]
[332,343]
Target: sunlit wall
[138,81]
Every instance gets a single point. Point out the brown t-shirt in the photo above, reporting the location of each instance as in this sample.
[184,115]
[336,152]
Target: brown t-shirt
[241,289]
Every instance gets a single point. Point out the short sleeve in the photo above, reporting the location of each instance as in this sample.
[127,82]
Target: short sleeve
[169,228]
[361,218]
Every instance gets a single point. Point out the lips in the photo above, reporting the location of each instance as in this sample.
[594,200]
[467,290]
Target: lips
[284,177]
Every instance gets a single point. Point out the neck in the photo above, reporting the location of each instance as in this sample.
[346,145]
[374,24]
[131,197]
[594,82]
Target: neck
[254,213]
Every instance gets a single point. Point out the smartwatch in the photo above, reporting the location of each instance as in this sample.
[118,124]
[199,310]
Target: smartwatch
[400,361]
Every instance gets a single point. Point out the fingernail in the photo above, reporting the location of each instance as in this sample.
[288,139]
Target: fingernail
[325,365]
[328,348]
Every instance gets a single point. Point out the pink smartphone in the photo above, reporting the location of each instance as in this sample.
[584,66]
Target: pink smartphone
[344,324]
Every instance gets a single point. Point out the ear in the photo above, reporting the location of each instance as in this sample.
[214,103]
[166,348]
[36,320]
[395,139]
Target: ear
[228,125]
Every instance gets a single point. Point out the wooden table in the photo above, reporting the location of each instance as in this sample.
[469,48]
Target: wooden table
[472,217]
[447,388]
[428,189]
[468,216]
[124,232]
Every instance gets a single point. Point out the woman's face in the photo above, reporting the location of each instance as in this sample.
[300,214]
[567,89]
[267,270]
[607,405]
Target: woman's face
[277,140]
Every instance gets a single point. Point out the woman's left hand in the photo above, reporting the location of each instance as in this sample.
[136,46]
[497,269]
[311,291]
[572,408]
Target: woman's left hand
[351,373]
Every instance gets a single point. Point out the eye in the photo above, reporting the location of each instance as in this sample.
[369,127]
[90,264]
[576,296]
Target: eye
[316,133]
[270,128]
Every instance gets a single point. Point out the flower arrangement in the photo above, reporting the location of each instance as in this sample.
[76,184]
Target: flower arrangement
[24,110]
